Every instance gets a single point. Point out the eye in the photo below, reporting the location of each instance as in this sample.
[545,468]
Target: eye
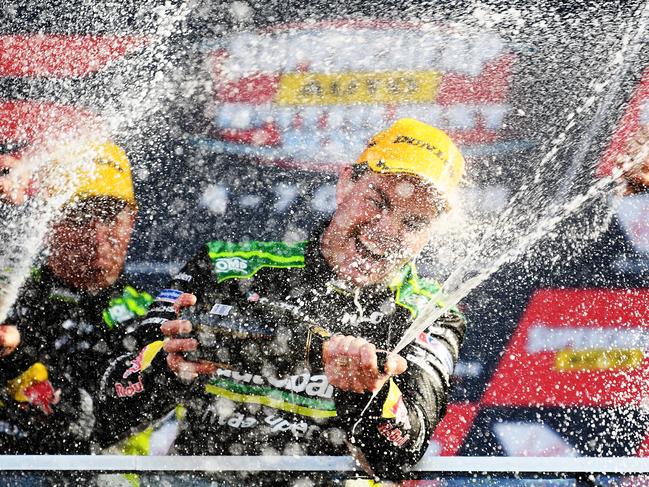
[378,203]
[414,225]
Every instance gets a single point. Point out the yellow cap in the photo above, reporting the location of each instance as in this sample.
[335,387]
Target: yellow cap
[413,147]
[108,176]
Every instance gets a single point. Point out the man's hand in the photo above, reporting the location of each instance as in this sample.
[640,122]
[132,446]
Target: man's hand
[175,346]
[351,364]
[637,177]
[14,180]
[9,339]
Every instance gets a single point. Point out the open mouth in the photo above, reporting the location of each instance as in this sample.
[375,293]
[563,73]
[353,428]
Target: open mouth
[364,251]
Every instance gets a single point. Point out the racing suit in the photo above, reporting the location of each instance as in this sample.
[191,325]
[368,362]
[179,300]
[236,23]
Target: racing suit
[68,338]
[268,305]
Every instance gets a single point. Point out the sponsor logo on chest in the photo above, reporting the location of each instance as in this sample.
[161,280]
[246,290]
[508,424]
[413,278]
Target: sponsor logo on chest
[229,264]
[354,319]
[311,385]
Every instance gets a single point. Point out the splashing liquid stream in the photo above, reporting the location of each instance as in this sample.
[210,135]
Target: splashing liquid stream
[26,225]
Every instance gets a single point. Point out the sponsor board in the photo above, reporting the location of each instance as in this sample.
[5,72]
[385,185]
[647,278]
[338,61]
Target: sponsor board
[577,347]
[26,121]
[556,432]
[63,55]
[527,439]
[44,119]
[317,100]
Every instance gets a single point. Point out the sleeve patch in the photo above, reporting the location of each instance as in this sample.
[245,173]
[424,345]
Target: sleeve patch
[394,407]
[393,434]
[436,348]
[144,358]
[168,295]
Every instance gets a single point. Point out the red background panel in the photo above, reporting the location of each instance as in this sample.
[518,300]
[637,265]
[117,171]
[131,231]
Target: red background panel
[62,55]
[453,428]
[525,378]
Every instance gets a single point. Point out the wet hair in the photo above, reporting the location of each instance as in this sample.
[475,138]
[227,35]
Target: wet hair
[358,170]
[82,210]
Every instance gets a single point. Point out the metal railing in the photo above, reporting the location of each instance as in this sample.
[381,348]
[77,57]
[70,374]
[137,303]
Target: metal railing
[114,463]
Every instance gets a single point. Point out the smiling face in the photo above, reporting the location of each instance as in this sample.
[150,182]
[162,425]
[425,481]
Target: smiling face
[381,222]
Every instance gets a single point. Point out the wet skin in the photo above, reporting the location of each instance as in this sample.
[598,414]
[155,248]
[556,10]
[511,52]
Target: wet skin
[14,180]
[87,251]
[636,178]
[9,339]
[381,222]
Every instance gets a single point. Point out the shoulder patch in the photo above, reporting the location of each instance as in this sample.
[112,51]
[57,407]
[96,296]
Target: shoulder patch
[244,259]
[413,292]
[129,305]
[35,374]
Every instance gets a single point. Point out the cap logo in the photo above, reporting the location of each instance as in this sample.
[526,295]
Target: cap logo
[403,139]
[109,162]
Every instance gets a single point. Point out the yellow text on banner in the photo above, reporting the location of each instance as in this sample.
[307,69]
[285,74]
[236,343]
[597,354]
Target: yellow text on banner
[350,88]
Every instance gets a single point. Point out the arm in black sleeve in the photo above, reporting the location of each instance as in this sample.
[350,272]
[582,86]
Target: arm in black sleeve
[191,279]
[394,432]
[135,390]
[139,387]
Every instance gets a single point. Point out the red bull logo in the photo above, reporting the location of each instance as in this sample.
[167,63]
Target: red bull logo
[136,365]
[43,396]
[131,389]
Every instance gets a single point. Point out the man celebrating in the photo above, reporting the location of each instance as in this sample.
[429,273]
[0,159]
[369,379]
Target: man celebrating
[290,338]
[71,314]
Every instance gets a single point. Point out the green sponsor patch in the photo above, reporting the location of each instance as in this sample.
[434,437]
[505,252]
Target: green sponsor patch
[271,397]
[286,396]
[413,292]
[244,259]
[127,306]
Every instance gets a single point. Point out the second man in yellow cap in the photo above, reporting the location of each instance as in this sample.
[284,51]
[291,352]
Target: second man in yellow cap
[71,313]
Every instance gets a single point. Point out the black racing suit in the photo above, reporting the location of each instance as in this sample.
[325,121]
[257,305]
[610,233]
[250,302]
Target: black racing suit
[68,338]
[262,305]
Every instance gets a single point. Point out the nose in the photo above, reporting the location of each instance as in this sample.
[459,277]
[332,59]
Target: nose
[386,231]
[101,241]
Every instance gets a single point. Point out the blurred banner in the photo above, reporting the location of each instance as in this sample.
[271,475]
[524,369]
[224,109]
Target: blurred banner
[313,94]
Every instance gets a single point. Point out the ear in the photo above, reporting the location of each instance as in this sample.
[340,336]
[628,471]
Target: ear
[128,214]
[133,216]
[345,184]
